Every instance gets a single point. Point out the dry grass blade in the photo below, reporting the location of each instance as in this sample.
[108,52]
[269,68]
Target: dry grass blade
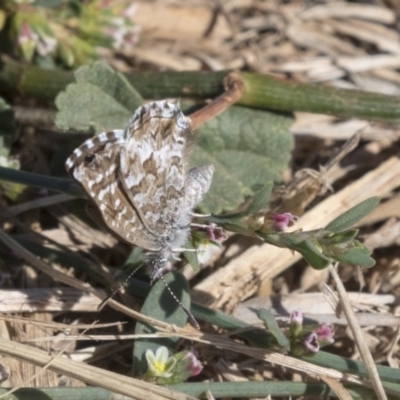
[319,307]
[56,299]
[308,184]
[346,10]
[358,336]
[271,357]
[338,388]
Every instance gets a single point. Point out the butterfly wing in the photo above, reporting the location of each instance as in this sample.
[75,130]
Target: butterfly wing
[152,164]
[94,165]
[198,182]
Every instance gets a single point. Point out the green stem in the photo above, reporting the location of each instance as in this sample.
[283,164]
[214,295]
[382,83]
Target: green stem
[270,92]
[44,84]
[263,91]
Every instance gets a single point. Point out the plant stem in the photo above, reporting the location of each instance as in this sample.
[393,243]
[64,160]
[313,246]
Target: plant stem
[262,91]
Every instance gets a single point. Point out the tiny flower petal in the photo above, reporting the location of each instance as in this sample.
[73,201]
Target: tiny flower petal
[195,366]
[162,354]
[311,343]
[296,322]
[325,334]
[282,221]
[205,251]
[46,45]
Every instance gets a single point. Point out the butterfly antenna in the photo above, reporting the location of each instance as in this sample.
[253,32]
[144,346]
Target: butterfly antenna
[192,319]
[115,291]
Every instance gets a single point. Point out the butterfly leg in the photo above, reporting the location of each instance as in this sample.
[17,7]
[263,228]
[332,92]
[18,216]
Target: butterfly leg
[181,250]
[195,215]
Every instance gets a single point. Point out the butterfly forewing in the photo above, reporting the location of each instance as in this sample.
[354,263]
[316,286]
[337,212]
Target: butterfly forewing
[95,166]
[152,164]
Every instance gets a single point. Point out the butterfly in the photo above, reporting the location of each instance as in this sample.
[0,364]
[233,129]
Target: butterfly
[138,182]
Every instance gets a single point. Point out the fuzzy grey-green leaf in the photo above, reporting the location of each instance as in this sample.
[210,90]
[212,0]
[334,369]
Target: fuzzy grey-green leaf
[248,148]
[100,99]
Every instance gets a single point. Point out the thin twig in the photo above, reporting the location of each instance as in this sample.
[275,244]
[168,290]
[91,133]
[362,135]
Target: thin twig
[234,90]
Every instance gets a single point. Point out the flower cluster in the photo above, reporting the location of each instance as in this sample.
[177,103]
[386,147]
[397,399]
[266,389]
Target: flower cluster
[305,341]
[164,369]
[73,32]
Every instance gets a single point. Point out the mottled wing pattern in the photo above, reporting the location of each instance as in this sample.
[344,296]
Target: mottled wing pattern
[95,166]
[152,164]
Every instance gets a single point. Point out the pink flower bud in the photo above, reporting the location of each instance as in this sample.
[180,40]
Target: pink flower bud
[296,322]
[325,334]
[282,221]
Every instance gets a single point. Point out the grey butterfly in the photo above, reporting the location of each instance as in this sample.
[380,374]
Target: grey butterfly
[138,181]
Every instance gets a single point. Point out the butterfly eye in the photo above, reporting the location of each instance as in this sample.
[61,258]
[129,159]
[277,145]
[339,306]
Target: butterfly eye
[89,158]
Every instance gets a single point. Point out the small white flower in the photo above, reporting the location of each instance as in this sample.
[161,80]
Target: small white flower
[205,251]
[160,365]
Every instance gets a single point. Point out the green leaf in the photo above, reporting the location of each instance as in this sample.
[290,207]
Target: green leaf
[100,99]
[357,256]
[303,242]
[270,323]
[161,305]
[243,222]
[135,257]
[350,217]
[312,254]
[328,238]
[248,148]
[260,199]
